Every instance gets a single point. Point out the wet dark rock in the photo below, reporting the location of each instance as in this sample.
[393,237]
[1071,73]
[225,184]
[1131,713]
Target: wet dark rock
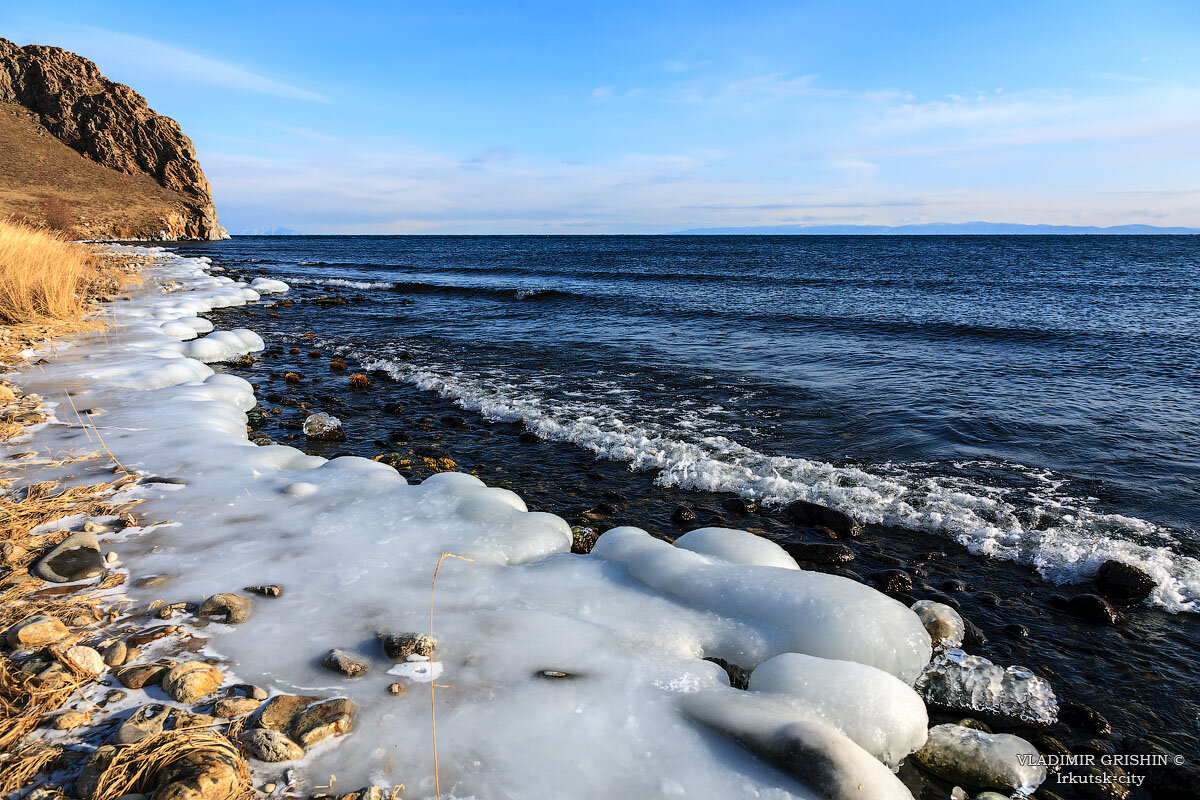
[76,558]
[399,646]
[819,553]
[453,421]
[972,635]
[1122,581]
[399,436]
[990,599]
[528,437]
[739,506]
[1016,630]
[682,515]
[350,664]
[583,538]
[953,586]
[226,607]
[1093,608]
[891,581]
[1081,717]
[809,514]
[842,572]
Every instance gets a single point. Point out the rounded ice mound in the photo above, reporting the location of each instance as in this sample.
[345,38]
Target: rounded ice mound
[268,286]
[880,713]
[975,758]
[736,547]
[797,611]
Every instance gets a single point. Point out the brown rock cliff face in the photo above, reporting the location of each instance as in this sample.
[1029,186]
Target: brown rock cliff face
[112,125]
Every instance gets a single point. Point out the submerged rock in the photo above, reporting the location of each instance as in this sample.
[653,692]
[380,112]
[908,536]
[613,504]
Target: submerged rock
[819,553]
[682,515]
[76,558]
[270,746]
[1093,608]
[959,682]
[981,760]
[323,427]
[813,515]
[1123,581]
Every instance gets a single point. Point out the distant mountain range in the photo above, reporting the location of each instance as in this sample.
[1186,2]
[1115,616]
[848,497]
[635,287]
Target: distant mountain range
[943,229]
[268,232]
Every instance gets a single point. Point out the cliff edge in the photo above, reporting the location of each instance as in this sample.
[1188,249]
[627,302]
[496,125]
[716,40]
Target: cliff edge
[78,150]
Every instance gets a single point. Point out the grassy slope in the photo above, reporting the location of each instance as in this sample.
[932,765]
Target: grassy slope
[35,167]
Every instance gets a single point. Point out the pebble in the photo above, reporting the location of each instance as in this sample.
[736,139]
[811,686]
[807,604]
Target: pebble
[146,721]
[85,659]
[189,681]
[76,558]
[350,664]
[399,646]
[682,515]
[271,747]
[34,632]
[116,654]
[71,720]
[229,608]
[110,557]
[267,590]
[323,720]
[395,688]
[234,707]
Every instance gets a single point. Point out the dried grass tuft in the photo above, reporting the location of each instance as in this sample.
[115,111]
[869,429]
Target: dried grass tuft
[142,768]
[25,765]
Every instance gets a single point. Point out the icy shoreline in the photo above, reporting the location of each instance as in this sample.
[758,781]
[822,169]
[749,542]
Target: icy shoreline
[555,670]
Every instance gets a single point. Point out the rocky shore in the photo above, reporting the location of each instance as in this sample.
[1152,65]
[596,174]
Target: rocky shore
[151,673]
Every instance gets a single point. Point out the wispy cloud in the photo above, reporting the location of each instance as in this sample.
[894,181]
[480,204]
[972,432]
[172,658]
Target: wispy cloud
[114,51]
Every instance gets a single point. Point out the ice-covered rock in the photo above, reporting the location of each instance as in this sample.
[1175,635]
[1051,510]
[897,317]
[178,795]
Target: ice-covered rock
[816,754]
[268,286]
[736,547]
[982,760]
[879,712]
[798,611]
[324,427]
[943,623]
[960,682]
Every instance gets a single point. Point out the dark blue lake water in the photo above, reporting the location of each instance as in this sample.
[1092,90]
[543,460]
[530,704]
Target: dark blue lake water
[1035,398]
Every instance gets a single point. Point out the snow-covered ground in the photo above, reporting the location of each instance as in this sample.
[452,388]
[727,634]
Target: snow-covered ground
[639,712]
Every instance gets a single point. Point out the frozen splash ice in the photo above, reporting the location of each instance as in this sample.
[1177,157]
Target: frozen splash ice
[961,682]
[556,669]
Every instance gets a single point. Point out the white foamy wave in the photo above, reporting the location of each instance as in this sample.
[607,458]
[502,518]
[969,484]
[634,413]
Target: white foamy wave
[1068,544]
[342,282]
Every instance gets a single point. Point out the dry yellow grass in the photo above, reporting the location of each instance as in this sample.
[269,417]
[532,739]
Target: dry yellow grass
[45,277]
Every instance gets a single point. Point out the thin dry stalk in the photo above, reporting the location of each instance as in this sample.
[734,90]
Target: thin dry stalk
[25,765]
[437,779]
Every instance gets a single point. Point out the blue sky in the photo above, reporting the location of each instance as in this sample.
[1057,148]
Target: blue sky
[649,117]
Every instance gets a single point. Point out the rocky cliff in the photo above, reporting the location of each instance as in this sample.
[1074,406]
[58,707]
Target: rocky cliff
[51,91]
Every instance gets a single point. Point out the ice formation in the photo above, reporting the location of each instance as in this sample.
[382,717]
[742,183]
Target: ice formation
[960,682]
[556,670]
[944,624]
[880,713]
[983,760]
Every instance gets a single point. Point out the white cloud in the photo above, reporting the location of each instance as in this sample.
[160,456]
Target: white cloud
[122,52]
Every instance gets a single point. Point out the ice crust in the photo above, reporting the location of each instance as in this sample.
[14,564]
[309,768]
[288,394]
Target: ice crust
[640,713]
[961,682]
